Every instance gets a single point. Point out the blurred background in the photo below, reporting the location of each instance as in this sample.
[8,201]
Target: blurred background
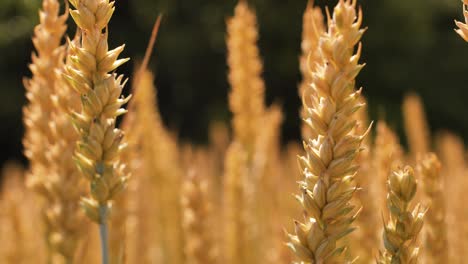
[409,46]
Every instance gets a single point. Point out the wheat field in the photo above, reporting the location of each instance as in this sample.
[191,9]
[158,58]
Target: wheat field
[108,182]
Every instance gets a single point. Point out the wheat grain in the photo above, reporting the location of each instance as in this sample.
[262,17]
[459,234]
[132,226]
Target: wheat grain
[329,165]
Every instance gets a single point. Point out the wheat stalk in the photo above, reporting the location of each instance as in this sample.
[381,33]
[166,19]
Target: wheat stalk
[329,165]
[401,231]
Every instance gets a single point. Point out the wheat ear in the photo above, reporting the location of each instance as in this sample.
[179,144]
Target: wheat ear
[312,28]
[47,37]
[51,146]
[90,73]
[246,102]
[159,153]
[435,239]
[401,231]
[246,99]
[329,165]
[463,27]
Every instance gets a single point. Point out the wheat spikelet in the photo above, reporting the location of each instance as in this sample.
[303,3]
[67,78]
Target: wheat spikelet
[199,247]
[329,166]
[463,27]
[312,28]
[416,127]
[401,231]
[435,241]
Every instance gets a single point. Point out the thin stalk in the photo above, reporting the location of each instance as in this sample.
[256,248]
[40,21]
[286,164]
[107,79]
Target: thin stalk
[104,234]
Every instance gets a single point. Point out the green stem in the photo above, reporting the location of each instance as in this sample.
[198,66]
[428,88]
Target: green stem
[103,232]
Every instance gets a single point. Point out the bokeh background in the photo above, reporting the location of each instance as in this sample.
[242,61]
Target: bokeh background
[410,46]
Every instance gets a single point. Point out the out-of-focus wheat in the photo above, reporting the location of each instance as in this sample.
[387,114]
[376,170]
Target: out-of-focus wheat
[329,166]
[160,173]
[266,169]
[246,102]
[50,138]
[435,233]
[386,154]
[235,171]
[199,248]
[402,229]
[416,127]
[23,238]
[37,113]
[364,240]
[451,151]
[246,99]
